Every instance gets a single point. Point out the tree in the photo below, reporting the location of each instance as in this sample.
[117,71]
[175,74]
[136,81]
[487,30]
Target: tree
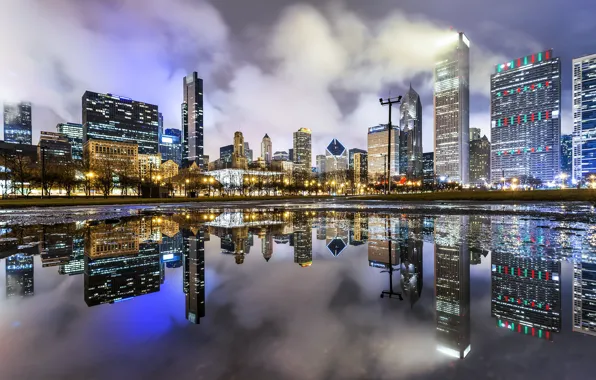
[23,172]
[67,177]
[104,172]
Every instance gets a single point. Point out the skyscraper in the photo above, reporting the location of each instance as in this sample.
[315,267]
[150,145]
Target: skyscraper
[303,150]
[56,148]
[19,275]
[410,137]
[584,122]
[248,153]
[584,294]
[525,118]
[452,109]
[321,163]
[351,154]
[474,134]
[377,152]
[567,155]
[428,167]
[267,149]
[239,157]
[114,118]
[336,157]
[17,123]
[170,146]
[479,161]
[361,168]
[192,120]
[74,134]
[281,156]
[194,275]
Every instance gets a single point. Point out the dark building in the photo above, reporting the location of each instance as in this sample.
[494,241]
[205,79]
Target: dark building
[410,252]
[56,244]
[567,155]
[74,134]
[410,136]
[192,120]
[525,118]
[55,147]
[584,295]
[114,118]
[225,155]
[10,151]
[351,154]
[291,154]
[19,275]
[428,167]
[194,274]
[170,147]
[479,161]
[17,123]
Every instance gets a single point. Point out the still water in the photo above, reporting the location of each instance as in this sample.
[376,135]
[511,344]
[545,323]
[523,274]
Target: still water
[267,293]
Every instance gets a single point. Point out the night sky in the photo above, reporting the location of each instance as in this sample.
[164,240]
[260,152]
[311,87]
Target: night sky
[272,66]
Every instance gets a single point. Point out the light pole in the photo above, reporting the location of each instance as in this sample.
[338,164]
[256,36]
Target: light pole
[89,177]
[185,187]
[389,102]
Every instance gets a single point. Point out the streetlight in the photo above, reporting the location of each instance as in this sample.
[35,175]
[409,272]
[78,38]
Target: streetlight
[503,180]
[89,177]
[186,182]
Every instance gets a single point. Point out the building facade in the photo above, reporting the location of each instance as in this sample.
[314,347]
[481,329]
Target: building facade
[336,157]
[122,120]
[302,150]
[267,149]
[525,118]
[74,134]
[584,121]
[567,155]
[170,147]
[452,109]
[17,123]
[428,167]
[378,143]
[116,156]
[239,156]
[55,147]
[351,154]
[410,137]
[480,161]
[192,120]
[168,170]
[361,168]
[248,153]
[475,134]
[321,163]
[281,156]
[584,295]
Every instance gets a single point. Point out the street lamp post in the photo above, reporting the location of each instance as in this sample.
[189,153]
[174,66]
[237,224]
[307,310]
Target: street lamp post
[185,187]
[389,102]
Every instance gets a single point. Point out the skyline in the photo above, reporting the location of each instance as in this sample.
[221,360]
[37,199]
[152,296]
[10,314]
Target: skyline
[331,87]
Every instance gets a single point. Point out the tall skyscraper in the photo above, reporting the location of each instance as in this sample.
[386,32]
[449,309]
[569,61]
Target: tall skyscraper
[303,150]
[410,137]
[291,154]
[361,168]
[428,167]
[192,120]
[239,157]
[17,123]
[170,146]
[584,122]
[584,294]
[194,274]
[377,152]
[321,163]
[74,134]
[267,149]
[452,109]
[159,125]
[351,154]
[248,153]
[479,161]
[114,118]
[336,157]
[567,155]
[525,118]
[474,134]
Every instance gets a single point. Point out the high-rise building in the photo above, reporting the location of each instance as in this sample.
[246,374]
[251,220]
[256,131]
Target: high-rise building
[239,157]
[302,240]
[351,154]
[74,134]
[123,120]
[302,150]
[525,118]
[378,141]
[361,168]
[55,146]
[267,149]
[159,126]
[584,122]
[321,163]
[281,156]
[194,274]
[336,157]
[248,154]
[291,154]
[584,294]
[410,137]
[480,161]
[19,275]
[474,134]
[17,123]
[225,154]
[428,167]
[192,120]
[567,155]
[170,146]
[452,109]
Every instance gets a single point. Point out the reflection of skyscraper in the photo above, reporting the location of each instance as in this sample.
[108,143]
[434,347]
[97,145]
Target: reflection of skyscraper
[267,244]
[526,294]
[302,240]
[19,275]
[378,243]
[359,231]
[194,275]
[56,245]
[584,294]
[410,252]
[452,286]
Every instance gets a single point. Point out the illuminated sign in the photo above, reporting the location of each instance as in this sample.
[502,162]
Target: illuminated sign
[167,140]
[379,128]
[168,257]
[523,61]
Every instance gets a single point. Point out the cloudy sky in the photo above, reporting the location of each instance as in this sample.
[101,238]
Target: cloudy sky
[271,66]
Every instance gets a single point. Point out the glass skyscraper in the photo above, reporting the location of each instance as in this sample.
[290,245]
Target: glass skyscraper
[17,123]
[452,109]
[378,141]
[192,120]
[303,150]
[410,137]
[336,157]
[170,146]
[584,116]
[114,118]
[74,134]
[567,155]
[525,118]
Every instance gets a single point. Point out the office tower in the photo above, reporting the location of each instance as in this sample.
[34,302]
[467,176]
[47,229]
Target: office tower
[480,161]
[159,126]
[382,249]
[238,156]
[74,134]
[321,160]
[378,141]
[291,154]
[17,123]
[584,294]
[474,134]
[281,156]
[55,147]
[19,275]
[409,247]
[361,168]
[302,150]
[452,109]
[567,155]
[351,154]
[336,157]
[170,146]
[410,137]
[267,149]
[302,240]
[584,122]
[194,275]
[248,153]
[225,155]
[525,118]
[452,286]
[192,120]
[526,293]
[122,120]
[428,167]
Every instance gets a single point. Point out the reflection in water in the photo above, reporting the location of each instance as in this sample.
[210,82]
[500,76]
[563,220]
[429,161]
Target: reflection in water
[131,257]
